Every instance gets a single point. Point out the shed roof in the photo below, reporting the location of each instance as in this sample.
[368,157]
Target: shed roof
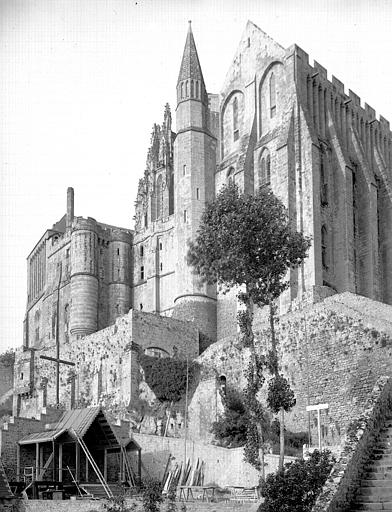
[42,437]
[79,420]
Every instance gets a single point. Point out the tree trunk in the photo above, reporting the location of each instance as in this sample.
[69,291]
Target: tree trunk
[261,451]
[281,455]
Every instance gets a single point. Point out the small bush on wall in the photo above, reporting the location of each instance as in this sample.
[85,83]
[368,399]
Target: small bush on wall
[167,376]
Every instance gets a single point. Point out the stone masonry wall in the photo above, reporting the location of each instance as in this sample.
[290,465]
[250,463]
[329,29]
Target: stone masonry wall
[333,352]
[107,370]
[223,466]
[14,430]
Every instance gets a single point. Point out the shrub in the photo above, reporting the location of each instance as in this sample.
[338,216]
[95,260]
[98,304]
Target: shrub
[152,495]
[167,376]
[296,487]
[7,358]
[231,427]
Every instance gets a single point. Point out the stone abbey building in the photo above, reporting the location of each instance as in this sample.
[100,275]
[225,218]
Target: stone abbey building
[278,122]
[102,291]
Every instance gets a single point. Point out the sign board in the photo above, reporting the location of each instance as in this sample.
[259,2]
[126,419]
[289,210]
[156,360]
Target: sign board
[317,407]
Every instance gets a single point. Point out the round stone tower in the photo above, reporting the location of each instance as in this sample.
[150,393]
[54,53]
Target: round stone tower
[120,280]
[84,277]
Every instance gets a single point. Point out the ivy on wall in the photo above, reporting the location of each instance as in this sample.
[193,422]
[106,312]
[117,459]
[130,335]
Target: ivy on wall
[167,376]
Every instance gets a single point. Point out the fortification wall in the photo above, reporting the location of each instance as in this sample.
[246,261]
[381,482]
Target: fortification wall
[332,352]
[106,367]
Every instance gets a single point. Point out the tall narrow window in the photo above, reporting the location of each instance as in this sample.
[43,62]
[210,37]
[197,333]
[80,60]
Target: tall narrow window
[142,273]
[230,176]
[182,90]
[197,88]
[141,251]
[265,169]
[192,89]
[184,169]
[145,220]
[272,87]
[186,89]
[324,247]
[185,216]
[235,119]
[323,179]
[197,194]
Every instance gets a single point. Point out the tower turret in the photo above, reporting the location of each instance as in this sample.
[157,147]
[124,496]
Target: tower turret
[194,170]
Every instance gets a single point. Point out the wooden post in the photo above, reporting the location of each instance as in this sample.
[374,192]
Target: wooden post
[54,461]
[86,470]
[105,464]
[60,462]
[318,408]
[36,460]
[139,465]
[18,462]
[77,462]
[121,466]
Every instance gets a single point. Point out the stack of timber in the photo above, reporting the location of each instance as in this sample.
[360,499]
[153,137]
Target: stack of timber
[190,474]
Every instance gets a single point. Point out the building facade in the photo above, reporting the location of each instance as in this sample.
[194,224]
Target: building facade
[278,122]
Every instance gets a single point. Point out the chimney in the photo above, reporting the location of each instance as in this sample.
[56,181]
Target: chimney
[70,207]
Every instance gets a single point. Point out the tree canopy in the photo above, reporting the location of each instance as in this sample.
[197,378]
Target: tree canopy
[247,240]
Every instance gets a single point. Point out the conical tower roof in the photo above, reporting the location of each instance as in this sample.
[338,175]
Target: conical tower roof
[190,65]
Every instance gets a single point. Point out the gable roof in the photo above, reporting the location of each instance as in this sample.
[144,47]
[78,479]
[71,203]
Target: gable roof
[76,421]
[79,420]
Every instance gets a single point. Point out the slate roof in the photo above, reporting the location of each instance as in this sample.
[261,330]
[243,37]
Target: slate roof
[190,65]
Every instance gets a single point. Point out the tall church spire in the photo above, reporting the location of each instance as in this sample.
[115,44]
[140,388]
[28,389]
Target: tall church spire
[190,65]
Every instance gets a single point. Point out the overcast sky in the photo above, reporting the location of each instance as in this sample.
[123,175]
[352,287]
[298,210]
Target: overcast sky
[82,82]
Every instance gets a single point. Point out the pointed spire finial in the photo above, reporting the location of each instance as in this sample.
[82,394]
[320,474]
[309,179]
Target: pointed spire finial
[190,65]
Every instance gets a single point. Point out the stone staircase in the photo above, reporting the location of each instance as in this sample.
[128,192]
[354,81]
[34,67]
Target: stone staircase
[375,492]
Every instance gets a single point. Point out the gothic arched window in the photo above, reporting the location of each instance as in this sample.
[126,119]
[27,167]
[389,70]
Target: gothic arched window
[265,169]
[186,89]
[324,247]
[197,88]
[235,119]
[230,176]
[192,89]
[272,90]
[182,90]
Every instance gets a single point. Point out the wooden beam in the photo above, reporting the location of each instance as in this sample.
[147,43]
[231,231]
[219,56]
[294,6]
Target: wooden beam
[36,460]
[77,462]
[60,462]
[18,462]
[105,464]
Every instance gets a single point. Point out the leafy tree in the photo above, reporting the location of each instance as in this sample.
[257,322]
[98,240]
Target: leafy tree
[295,487]
[248,241]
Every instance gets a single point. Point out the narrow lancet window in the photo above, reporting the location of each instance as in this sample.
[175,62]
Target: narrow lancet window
[235,119]
[272,90]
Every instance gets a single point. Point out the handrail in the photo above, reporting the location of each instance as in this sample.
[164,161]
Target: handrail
[93,464]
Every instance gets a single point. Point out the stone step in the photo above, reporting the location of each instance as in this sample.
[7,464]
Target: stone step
[372,506]
[376,483]
[375,494]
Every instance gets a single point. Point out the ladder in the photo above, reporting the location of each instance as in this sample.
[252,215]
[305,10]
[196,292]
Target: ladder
[101,479]
[128,468]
